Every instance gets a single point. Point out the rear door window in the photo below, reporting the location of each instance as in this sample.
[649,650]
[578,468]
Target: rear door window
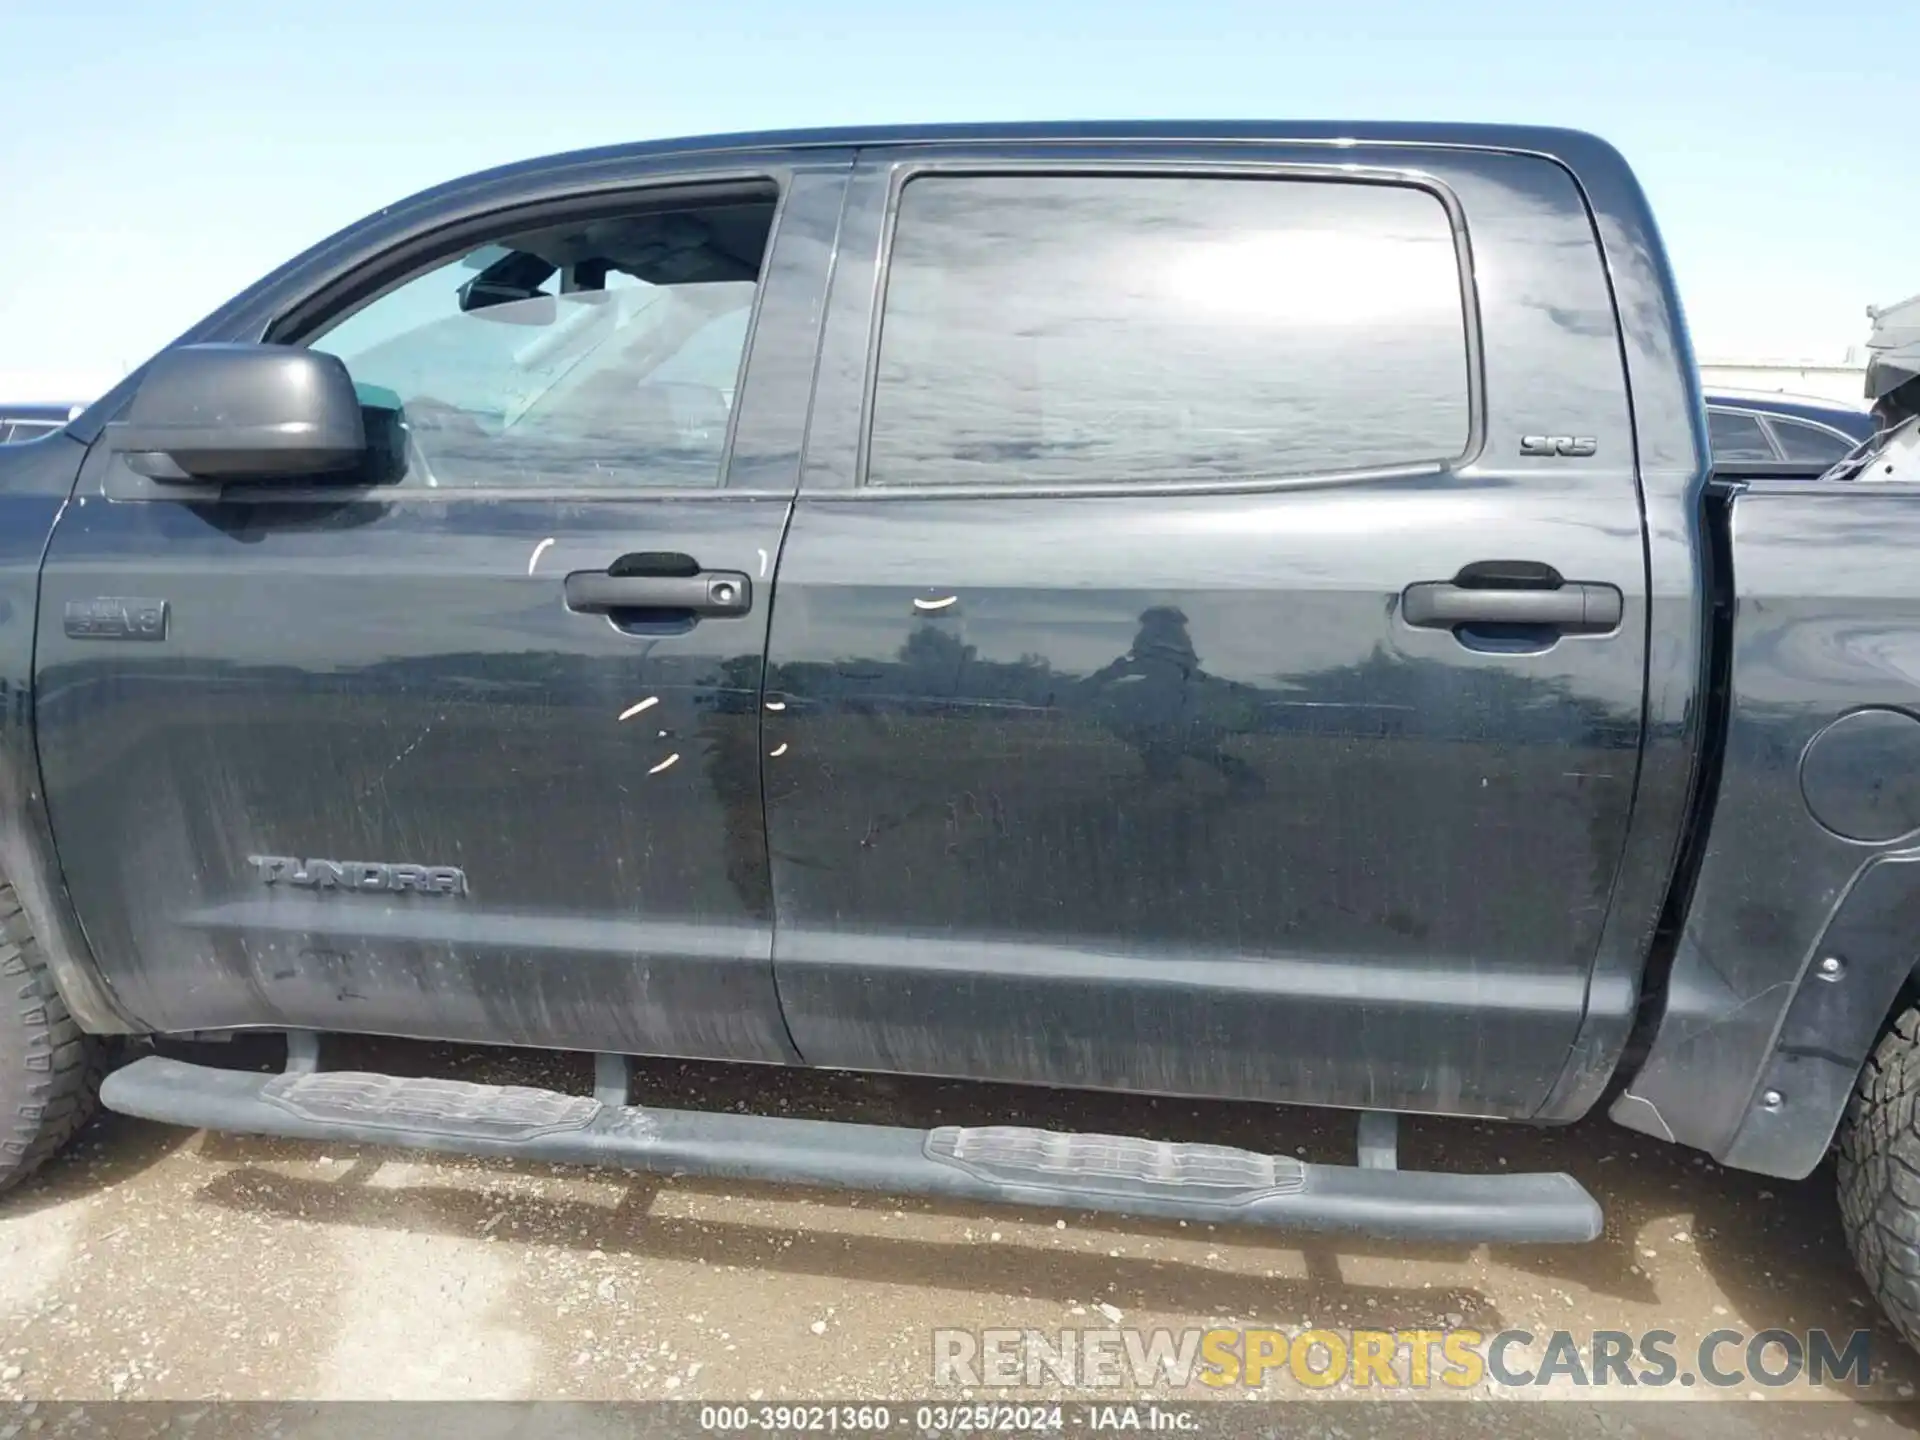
[1812,443]
[1103,329]
[1735,435]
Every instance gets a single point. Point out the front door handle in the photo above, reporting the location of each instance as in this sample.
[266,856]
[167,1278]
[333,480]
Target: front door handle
[706,592]
[1576,607]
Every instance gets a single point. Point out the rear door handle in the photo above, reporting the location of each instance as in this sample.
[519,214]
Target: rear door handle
[707,592]
[1576,607]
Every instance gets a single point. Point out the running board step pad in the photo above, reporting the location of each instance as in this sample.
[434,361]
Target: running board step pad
[507,1113]
[1115,1165]
[1003,1163]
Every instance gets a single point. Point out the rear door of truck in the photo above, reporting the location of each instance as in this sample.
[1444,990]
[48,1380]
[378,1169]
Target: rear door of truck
[1209,648]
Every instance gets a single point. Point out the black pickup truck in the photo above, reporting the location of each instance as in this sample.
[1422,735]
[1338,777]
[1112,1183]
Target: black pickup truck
[1221,610]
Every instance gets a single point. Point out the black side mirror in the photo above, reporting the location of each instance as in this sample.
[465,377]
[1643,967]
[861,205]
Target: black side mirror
[242,412]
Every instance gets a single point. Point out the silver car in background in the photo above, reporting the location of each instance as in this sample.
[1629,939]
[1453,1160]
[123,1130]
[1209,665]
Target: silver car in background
[30,422]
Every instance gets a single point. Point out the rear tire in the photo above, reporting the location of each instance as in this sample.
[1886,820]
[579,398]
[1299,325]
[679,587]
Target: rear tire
[1879,1167]
[50,1070]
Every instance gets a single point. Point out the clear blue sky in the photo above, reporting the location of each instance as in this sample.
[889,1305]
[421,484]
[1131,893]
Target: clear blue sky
[155,157]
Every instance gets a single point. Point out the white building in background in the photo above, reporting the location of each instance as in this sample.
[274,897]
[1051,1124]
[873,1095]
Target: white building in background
[1842,384]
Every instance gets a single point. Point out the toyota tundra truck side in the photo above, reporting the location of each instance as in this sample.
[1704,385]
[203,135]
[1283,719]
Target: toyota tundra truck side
[1228,610]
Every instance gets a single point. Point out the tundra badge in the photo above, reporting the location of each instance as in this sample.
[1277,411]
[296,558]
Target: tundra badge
[359,875]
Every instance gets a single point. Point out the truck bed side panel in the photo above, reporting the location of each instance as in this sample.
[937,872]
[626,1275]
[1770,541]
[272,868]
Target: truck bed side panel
[1805,919]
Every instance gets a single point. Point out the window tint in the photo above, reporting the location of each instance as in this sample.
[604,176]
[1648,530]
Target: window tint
[1094,329]
[1734,435]
[31,429]
[603,354]
[1810,443]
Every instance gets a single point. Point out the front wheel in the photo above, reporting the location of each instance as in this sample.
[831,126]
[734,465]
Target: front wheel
[1880,1174]
[50,1070]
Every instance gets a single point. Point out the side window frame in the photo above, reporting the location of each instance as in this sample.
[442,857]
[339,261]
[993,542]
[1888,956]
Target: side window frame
[904,171]
[313,316]
[390,246]
[299,321]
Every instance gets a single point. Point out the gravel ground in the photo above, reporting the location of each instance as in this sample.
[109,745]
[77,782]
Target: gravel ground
[154,1264]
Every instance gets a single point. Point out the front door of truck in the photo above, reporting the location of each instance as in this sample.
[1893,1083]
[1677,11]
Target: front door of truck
[473,754]
[1184,677]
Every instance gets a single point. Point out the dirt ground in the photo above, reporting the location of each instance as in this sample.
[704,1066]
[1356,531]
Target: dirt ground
[154,1264]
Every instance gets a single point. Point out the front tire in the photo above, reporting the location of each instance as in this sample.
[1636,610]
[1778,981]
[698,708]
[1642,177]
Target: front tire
[50,1070]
